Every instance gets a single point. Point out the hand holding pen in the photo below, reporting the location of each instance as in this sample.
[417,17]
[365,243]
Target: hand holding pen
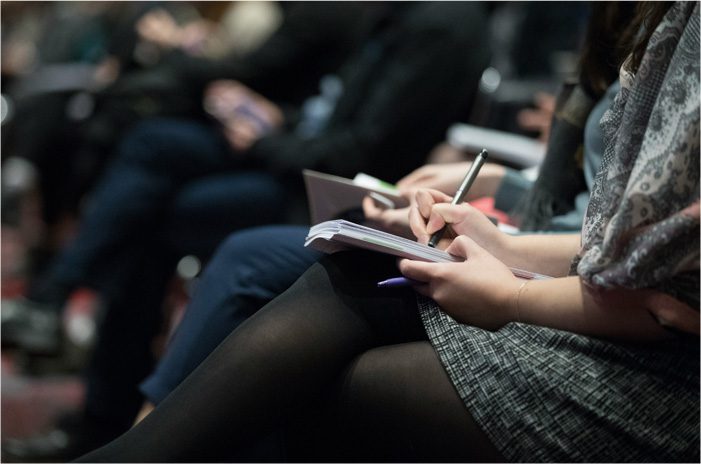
[462,191]
[433,211]
[429,219]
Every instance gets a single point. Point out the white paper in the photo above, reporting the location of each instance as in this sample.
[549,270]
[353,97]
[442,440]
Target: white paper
[333,236]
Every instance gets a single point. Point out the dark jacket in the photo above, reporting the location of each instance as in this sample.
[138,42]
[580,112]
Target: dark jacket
[315,38]
[415,75]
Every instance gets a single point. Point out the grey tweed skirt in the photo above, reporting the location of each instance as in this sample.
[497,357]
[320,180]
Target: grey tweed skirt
[545,395]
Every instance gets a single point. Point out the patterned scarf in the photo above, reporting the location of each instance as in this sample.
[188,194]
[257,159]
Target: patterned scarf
[642,224]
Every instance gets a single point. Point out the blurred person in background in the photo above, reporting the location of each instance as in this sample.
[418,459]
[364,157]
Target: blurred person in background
[611,342]
[253,266]
[67,119]
[418,58]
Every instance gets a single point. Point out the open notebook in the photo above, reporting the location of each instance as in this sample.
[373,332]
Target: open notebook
[332,236]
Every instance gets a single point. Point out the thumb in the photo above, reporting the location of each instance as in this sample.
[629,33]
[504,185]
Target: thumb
[672,312]
[463,246]
[420,271]
[448,214]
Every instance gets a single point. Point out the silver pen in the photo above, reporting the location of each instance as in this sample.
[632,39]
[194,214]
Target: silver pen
[462,191]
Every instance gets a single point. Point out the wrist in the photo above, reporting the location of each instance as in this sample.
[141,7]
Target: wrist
[516,302]
[517,251]
[505,247]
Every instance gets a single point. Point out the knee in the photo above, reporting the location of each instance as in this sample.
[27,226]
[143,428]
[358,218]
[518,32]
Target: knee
[241,258]
[159,142]
[262,261]
[138,144]
[237,246]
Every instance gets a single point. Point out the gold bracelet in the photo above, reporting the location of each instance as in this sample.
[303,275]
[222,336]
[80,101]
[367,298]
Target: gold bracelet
[518,297]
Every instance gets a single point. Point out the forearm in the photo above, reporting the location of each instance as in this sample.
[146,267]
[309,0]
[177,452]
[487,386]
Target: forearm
[567,304]
[549,254]
[486,184]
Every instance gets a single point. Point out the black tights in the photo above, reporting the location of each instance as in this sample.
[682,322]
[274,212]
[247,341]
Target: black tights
[332,343]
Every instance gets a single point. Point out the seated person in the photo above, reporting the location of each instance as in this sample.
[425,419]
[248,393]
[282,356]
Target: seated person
[581,367]
[174,178]
[252,267]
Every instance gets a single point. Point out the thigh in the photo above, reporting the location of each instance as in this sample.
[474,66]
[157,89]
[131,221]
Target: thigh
[184,148]
[275,364]
[260,263]
[207,210]
[247,271]
[398,403]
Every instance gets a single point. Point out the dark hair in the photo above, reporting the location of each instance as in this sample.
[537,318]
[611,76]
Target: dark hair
[615,31]
[604,46]
[648,15]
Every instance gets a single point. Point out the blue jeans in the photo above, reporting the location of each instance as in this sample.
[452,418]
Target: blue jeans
[248,270]
[174,187]
[162,167]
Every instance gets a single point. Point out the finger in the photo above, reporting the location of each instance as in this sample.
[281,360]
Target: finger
[426,198]
[464,247]
[435,222]
[545,101]
[444,243]
[396,221]
[409,194]
[529,119]
[673,313]
[417,270]
[445,214]
[454,214]
[417,225]
[424,201]
[370,209]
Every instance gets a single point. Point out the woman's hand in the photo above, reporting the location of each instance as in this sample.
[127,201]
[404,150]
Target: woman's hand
[480,291]
[539,118]
[432,210]
[392,220]
[443,177]
[668,311]
[447,178]
[672,313]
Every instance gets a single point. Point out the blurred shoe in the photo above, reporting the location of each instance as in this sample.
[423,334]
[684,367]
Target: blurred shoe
[73,436]
[18,178]
[30,326]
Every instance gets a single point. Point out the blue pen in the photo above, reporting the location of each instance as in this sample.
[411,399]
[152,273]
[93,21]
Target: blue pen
[397,282]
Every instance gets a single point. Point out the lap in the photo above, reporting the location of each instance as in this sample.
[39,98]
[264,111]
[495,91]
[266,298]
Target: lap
[178,146]
[206,210]
[400,404]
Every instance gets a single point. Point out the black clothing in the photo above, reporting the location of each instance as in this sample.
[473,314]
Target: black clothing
[334,344]
[401,93]
[315,38]
[415,77]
